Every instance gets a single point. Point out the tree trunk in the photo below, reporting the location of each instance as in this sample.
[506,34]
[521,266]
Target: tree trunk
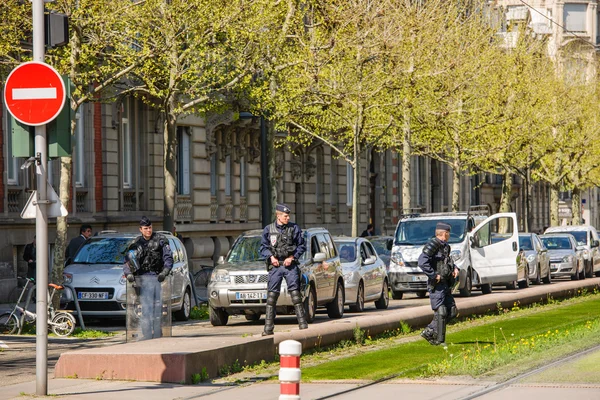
[271,170]
[554,221]
[60,244]
[356,186]
[528,220]
[506,197]
[406,156]
[455,188]
[576,206]
[169,158]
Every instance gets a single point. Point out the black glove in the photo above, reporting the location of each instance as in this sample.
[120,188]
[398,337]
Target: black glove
[130,278]
[161,277]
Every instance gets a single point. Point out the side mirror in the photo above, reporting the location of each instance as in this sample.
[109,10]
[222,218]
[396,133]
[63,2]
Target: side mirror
[319,257]
[595,243]
[370,260]
[474,241]
[221,260]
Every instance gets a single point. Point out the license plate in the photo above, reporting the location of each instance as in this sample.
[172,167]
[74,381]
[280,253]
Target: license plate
[92,295]
[250,295]
[419,278]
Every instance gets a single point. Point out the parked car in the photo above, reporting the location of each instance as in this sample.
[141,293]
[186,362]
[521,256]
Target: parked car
[365,276]
[481,262]
[537,257]
[238,285]
[383,245]
[96,274]
[586,236]
[566,259]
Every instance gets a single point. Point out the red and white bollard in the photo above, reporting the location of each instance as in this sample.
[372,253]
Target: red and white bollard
[289,369]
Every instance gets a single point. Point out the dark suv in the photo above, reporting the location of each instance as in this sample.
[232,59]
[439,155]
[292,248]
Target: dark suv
[238,285]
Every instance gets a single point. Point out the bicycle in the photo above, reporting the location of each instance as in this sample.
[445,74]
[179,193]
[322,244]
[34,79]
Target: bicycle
[60,322]
[200,281]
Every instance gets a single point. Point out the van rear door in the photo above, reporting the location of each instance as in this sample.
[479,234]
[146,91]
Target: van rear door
[494,246]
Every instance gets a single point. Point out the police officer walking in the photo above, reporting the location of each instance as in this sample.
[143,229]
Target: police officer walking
[282,244]
[436,263]
[149,260]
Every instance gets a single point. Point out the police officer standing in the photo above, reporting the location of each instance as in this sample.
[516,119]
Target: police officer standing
[149,261]
[436,263]
[282,244]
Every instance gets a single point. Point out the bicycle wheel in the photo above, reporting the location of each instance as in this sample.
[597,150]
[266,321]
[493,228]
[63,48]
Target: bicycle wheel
[9,324]
[201,279]
[63,324]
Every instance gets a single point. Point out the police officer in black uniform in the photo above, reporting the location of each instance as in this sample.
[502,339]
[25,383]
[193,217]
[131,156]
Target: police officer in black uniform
[149,257]
[436,263]
[282,245]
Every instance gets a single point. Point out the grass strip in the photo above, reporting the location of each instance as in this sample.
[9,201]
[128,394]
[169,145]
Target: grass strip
[486,347]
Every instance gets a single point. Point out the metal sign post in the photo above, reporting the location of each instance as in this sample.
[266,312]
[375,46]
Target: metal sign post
[41,221]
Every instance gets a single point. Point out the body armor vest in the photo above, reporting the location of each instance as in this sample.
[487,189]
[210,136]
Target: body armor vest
[149,254]
[281,243]
[445,266]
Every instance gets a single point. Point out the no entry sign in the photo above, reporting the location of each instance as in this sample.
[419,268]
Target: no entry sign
[34,93]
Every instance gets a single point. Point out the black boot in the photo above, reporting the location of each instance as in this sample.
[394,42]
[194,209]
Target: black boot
[441,314]
[270,313]
[299,308]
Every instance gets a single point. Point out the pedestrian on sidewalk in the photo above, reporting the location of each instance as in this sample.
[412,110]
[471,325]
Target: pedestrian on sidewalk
[436,263]
[29,255]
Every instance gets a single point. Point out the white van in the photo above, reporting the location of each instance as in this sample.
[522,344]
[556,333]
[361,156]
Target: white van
[485,254]
[586,237]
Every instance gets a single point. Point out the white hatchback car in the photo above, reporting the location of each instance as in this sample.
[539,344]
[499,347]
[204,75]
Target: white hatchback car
[96,274]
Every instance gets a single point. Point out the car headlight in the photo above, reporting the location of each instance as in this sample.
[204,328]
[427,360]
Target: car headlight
[456,254]
[123,280]
[397,258]
[586,254]
[67,278]
[220,275]
[530,258]
[567,259]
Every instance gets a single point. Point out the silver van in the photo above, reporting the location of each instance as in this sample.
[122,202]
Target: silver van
[238,285]
[482,261]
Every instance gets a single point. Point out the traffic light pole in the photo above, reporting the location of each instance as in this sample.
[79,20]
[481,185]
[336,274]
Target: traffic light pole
[41,221]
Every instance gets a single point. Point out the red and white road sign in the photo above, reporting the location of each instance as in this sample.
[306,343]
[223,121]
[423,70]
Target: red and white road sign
[34,93]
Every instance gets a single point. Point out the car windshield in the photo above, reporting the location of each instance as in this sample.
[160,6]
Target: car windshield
[580,237]
[245,249]
[103,251]
[417,232]
[525,243]
[347,251]
[557,243]
[381,246]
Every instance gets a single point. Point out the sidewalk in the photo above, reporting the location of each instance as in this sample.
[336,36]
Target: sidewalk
[75,389]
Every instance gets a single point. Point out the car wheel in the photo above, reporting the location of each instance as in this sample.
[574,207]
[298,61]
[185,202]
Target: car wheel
[597,273]
[548,278]
[575,277]
[384,301]
[486,288]
[582,273]
[421,295]
[218,316]
[359,306]
[253,317]
[538,276]
[468,288]
[589,273]
[512,285]
[335,309]
[186,306]
[310,305]
[397,295]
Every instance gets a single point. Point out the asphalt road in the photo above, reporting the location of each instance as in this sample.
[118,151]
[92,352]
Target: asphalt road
[17,360]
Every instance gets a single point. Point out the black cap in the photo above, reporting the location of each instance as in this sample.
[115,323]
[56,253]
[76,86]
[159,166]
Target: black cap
[442,226]
[283,208]
[145,222]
